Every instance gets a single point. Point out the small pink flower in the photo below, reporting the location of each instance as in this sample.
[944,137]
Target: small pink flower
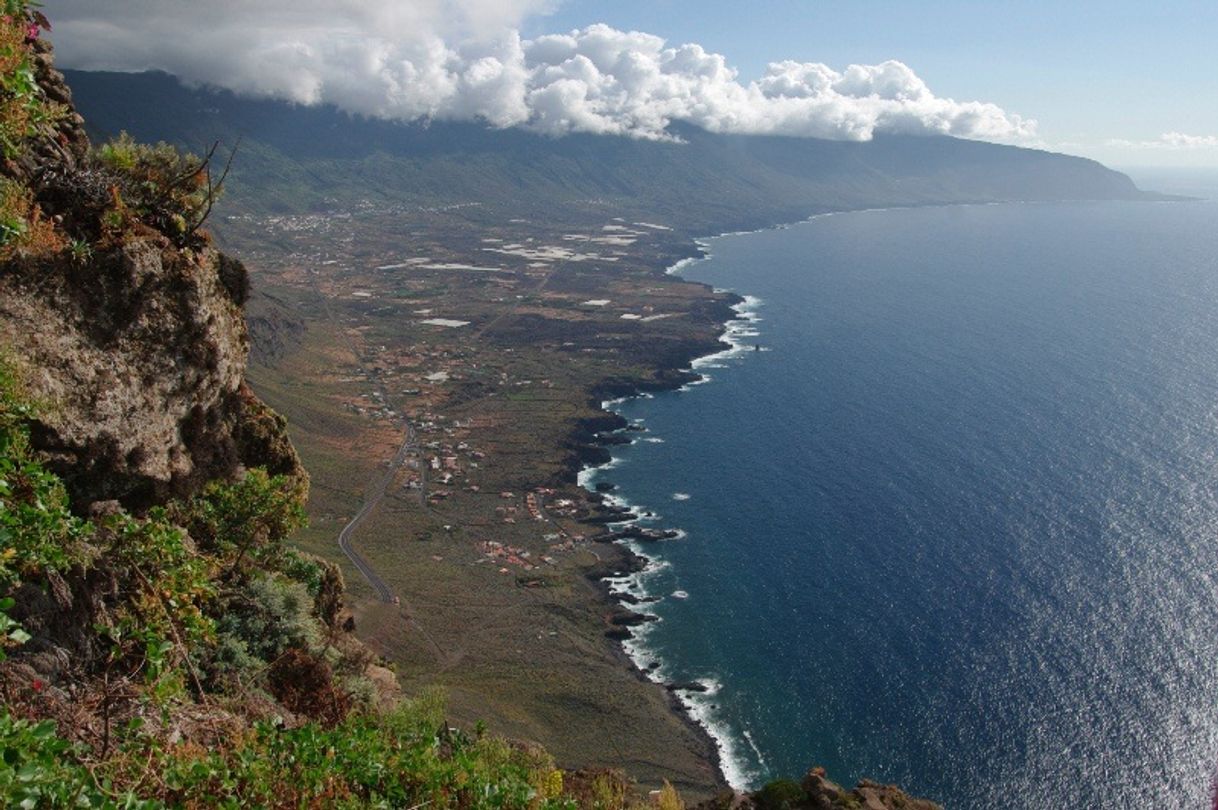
[32,31]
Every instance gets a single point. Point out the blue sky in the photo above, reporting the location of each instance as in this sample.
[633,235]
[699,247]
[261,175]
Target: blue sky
[1090,73]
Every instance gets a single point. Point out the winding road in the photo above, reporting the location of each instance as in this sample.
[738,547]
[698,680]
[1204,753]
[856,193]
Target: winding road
[375,496]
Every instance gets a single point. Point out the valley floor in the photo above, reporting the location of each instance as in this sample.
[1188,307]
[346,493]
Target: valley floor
[441,370]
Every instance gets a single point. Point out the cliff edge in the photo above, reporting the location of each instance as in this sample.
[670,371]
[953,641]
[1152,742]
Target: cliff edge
[134,338]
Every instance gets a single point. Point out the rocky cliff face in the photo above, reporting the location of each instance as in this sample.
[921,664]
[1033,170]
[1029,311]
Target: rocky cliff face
[817,792]
[63,143]
[136,351]
[137,358]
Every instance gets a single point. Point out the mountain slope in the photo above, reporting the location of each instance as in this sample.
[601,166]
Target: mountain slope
[296,158]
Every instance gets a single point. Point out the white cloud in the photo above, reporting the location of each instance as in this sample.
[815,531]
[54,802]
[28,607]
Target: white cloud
[1179,140]
[465,60]
[1176,141]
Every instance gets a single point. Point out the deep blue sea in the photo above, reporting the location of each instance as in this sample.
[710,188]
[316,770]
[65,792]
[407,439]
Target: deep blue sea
[956,524]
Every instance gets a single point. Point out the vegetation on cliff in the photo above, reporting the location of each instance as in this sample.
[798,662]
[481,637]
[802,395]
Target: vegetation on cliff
[161,643]
[207,668]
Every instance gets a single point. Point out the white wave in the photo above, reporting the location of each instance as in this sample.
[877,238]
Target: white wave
[684,263]
[734,758]
[761,763]
[621,585]
[699,706]
[614,500]
[748,737]
[587,475]
[735,766]
[712,360]
[703,379]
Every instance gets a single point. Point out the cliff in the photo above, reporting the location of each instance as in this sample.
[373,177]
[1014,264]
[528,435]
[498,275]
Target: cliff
[817,792]
[136,337]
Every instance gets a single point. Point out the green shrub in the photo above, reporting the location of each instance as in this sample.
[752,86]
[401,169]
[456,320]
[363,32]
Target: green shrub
[268,615]
[158,185]
[23,107]
[38,533]
[23,228]
[246,519]
[39,769]
[781,794]
[405,758]
[168,585]
[303,568]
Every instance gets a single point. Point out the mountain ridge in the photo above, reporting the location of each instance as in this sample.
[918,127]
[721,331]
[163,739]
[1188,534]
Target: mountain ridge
[300,158]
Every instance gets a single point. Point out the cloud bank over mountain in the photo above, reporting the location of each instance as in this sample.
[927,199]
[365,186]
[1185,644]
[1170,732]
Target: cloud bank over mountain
[466,60]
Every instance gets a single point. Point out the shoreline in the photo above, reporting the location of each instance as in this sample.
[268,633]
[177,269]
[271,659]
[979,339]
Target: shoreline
[533,438]
[623,589]
[619,583]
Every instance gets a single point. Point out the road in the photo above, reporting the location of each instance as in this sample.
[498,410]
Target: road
[375,496]
[377,493]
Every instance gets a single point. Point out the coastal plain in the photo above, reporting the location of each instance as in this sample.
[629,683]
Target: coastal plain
[475,347]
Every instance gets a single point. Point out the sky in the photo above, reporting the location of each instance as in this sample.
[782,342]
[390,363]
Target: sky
[1128,83]
[1105,79]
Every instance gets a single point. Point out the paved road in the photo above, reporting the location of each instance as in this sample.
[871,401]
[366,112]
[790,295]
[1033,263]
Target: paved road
[377,493]
[375,496]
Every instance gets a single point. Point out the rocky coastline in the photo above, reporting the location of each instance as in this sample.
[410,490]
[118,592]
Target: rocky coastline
[590,446]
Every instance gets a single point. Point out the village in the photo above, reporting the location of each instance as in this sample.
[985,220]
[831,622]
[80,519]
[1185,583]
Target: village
[474,347]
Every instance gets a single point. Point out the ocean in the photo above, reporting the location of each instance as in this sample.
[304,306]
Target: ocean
[949,509]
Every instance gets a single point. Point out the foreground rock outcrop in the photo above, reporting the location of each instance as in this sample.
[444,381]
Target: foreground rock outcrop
[140,357]
[133,339]
[817,792]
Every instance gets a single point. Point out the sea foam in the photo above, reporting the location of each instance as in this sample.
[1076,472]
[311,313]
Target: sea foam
[701,707]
